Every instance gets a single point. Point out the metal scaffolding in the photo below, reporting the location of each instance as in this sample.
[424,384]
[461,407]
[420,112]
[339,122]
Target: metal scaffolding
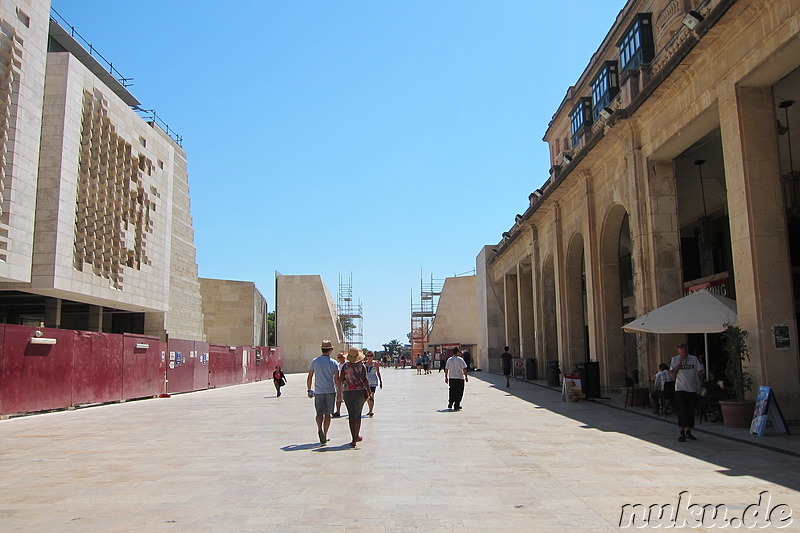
[423,313]
[349,315]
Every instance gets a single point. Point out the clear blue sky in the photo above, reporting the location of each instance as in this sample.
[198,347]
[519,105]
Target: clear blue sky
[378,138]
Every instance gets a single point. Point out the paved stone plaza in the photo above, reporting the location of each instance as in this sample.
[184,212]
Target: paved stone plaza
[240,459]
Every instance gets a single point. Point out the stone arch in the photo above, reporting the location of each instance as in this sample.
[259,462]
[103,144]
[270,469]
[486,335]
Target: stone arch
[576,304]
[616,282]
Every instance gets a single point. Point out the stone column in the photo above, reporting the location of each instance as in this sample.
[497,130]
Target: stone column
[511,304]
[657,268]
[525,298]
[95,318]
[52,312]
[559,271]
[759,243]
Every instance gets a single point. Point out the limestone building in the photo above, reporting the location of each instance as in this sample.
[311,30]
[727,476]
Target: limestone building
[456,320]
[235,312]
[305,314]
[674,165]
[95,231]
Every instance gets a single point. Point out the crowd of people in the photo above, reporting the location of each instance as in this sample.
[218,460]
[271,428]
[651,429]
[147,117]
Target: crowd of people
[354,378]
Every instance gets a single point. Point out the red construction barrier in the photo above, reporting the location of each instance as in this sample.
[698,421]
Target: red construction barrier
[180,366]
[224,366]
[143,367]
[36,377]
[2,350]
[43,369]
[96,368]
[200,365]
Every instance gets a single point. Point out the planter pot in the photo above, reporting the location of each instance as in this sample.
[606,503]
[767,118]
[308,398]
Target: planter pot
[737,414]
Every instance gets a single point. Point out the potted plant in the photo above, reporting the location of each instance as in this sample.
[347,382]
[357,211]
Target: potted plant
[737,412]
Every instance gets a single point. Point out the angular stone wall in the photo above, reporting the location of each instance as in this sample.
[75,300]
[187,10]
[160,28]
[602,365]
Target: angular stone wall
[305,315]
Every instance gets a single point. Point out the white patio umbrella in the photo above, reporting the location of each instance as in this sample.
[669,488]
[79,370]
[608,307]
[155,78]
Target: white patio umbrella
[699,312]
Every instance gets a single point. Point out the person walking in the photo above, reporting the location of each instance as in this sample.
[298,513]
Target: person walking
[688,371]
[339,362]
[356,391]
[505,359]
[375,380]
[279,379]
[455,375]
[657,397]
[467,357]
[323,372]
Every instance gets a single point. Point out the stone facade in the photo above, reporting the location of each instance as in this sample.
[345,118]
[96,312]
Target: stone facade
[456,314]
[235,312]
[668,174]
[96,208]
[305,316]
[23,58]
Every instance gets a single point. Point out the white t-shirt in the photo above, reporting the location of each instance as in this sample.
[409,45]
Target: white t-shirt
[455,367]
[688,378]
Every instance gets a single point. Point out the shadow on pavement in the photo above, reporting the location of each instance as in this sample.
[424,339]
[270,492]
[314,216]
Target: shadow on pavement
[752,459]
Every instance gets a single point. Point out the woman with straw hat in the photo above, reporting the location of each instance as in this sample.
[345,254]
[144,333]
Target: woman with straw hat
[355,391]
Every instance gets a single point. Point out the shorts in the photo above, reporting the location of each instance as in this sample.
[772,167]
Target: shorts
[373,388]
[324,403]
[506,371]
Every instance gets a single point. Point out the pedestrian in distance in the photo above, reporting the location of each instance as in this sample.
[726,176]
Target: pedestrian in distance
[323,372]
[374,378]
[279,379]
[505,359]
[455,375]
[467,357]
[356,391]
[688,372]
[338,412]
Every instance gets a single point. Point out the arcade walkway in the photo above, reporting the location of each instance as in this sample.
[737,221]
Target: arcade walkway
[240,459]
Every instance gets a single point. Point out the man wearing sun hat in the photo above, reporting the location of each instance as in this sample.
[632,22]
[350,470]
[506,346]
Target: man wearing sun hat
[323,371]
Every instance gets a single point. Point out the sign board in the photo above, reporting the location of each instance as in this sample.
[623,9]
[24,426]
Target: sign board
[767,407]
[571,390]
[780,336]
[518,368]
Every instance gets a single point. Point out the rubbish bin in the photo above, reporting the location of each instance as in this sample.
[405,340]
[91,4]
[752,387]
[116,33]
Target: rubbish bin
[552,374]
[590,378]
[531,371]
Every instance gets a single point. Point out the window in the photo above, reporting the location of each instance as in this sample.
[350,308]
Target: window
[580,117]
[636,46]
[605,87]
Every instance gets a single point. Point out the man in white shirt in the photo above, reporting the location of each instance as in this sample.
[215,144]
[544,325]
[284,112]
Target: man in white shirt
[688,372]
[455,375]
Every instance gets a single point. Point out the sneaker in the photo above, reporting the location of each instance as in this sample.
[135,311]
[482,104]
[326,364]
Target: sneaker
[690,436]
[336,415]
[682,438]
[370,414]
[450,405]
[458,407]
[322,438]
